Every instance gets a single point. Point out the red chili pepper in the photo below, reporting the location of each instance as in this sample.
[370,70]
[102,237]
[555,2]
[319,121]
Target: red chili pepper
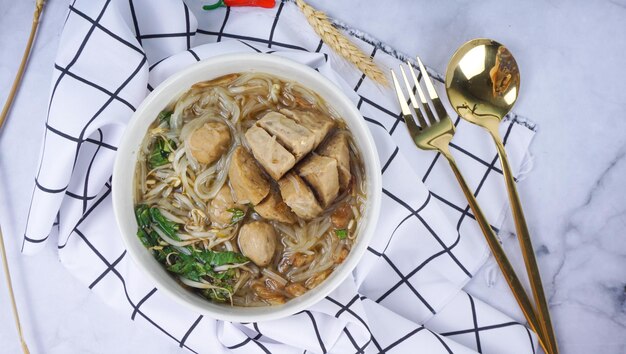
[260,3]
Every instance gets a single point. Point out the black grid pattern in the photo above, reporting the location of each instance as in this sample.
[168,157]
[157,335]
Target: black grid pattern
[87,144]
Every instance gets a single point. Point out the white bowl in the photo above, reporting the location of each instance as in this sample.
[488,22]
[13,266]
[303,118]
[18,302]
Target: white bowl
[123,177]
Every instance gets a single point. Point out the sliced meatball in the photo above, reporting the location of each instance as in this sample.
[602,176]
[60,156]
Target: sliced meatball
[320,172]
[296,138]
[274,208]
[219,206]
[337,147]
[246,178]
[209,142]
[299,196]
[274,158]
[257,241]
[318,123]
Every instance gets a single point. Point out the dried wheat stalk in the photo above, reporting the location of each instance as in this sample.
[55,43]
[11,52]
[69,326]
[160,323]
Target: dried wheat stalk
[39,4]
[341,44]
[20,71]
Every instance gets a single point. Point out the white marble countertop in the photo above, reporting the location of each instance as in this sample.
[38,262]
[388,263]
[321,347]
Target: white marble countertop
[573,84]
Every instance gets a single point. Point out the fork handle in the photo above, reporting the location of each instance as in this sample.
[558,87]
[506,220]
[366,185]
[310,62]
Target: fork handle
[526,247]
[496,248]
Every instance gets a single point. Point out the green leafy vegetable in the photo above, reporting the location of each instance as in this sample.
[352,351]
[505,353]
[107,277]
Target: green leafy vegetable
[220,258]
[168,227]
[149,239]
[341,233]
[188,267]
[237,216]
[164,116]
[161,253]
[219,295]
[143,236]
[160,152]
[190,263]
[200,264]
[143,216]
[229,274]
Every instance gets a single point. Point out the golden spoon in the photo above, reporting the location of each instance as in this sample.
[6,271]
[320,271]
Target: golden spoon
[482,82]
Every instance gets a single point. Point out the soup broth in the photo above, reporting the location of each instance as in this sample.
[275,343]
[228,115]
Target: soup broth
[249,189]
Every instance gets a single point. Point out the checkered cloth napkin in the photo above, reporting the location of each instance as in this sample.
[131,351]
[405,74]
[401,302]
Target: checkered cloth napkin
[405,295]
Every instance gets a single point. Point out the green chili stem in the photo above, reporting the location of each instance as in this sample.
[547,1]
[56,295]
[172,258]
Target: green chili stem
[218,4]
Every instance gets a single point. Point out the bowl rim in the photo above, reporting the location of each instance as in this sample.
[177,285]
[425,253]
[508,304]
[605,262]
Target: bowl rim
[162,95]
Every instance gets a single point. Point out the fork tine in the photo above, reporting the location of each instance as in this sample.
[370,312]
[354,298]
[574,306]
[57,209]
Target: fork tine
[416,107]
[414,130]
[403,105]
[429,113]
[416,81]
[441,111]
[409,89]
[429,84]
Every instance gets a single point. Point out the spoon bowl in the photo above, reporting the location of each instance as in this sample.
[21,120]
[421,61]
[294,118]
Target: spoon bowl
[482,82]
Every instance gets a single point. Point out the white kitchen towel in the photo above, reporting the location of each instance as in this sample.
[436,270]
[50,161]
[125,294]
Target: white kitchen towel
[404,297]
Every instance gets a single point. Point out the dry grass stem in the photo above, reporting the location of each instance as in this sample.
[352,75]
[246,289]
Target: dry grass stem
[39,4]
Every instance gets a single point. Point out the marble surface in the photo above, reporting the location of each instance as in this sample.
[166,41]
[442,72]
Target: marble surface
[571,56]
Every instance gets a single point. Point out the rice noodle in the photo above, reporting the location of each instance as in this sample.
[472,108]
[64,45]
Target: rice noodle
[242,279]
[270,274]
[227,267]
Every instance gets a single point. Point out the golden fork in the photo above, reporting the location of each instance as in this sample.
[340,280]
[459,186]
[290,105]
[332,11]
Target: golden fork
[434,132]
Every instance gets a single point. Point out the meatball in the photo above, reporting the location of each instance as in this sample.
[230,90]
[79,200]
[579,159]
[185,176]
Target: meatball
[209,142]
[219,206]
[247,179]
[338,148]
[274,208]
[297,194]
[257,241]
[321,174]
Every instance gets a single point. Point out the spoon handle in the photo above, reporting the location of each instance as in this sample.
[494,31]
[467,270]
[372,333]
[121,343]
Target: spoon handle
[496,248]
[526,246]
